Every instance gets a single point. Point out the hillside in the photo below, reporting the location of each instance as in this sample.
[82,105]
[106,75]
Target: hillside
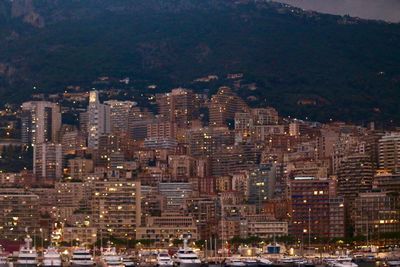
[348,68]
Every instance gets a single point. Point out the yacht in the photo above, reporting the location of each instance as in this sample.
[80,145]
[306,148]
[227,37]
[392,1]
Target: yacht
[110,258]
[164,260]
[341,261]
[3,261]
[250,262]
[128,261]
[234,262]
[293,261]
[3,258]
[81,257]
[264,262]
[186,257]
[393,263]
[27,255]
[51,258]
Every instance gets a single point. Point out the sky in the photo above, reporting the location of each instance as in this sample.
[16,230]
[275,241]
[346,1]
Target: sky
[388,10]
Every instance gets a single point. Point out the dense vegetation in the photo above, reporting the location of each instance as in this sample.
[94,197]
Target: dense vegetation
[346,68]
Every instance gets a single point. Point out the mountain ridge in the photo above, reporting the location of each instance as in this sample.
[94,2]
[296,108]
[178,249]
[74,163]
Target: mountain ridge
[292,54]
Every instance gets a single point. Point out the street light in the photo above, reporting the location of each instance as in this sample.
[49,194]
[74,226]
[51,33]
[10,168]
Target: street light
[41,236]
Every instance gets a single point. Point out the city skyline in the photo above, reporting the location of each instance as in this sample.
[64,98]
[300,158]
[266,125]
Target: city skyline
[189,133]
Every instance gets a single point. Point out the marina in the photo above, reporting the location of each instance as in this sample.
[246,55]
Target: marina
[185,257]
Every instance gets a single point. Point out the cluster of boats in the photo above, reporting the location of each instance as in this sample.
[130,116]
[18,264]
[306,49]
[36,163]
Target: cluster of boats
[81,257]
[184,257]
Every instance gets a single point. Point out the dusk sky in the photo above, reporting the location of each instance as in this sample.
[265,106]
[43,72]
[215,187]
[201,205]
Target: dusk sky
[370,9]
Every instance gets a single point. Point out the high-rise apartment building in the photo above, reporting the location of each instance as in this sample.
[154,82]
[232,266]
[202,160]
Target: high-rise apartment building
[355,175]
[120,116]
[389,152]
[116,207]
[376,213]
[161,129]
[71,196]
[19,212]
[311,209]
[72,140]
[250,124]
[48,161]
[261,184]
[98,120]
[224,104]
[40,122]
[178,106]
[204,142]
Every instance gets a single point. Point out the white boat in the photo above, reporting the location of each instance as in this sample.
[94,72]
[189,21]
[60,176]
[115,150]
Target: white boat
[293,260]
[341,261]
[234,262]
[51,258]
[110,258]
[3,258]
[264,262]
[81,257]
[27,255]
[250,262]
[186,257]
[393,263]
[164,260]
[3,261]
[344,264]
[128,261]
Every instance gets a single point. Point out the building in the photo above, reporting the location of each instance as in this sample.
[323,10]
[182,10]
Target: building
[386,181]
[355,176]
[19,213]
[230,227]
[182,167]
[80,235]
[376,213]
[72,140]
[80,168]
[261,184]
[109,144]
[178,106]
[336,217]
[229,159]
[311,208]
[168,227]
[204,211]
[204,142]
[249,124]
[116,207]
[47,200]
[71,197]
[120,116]
[98,120]
[47,161]
[389,152]
[175,194]
[160,143]
[224,104]
[161,129]
[264,227]
[40,122]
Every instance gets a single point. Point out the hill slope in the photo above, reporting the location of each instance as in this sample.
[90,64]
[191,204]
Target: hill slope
[350,68]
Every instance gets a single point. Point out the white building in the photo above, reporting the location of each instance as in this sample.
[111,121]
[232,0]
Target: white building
[99,120]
